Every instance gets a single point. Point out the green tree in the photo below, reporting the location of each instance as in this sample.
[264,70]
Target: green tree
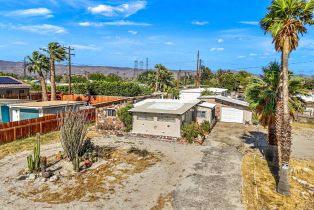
[164,78]
[97,76]
[113,78]
[206,75]
[39,64]
[285,21]
[56,53]
[263,103]
[126,117]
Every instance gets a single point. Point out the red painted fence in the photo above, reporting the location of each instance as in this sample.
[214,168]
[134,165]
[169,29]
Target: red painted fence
[26,128]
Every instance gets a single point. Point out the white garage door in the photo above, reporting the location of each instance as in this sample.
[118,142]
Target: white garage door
[231,115]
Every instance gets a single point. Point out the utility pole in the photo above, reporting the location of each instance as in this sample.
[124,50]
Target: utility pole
[70,67]
[178,79]
[200,72]
[197,69]
[146,64]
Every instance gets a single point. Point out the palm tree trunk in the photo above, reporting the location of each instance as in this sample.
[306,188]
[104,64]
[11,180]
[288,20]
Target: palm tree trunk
[272,148]
[43,86]
[52,79]
[285,143]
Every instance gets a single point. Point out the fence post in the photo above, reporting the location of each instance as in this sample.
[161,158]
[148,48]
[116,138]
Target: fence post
[14,134]
[40,127]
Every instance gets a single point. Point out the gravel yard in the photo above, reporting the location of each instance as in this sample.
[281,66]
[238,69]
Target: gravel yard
[185,177]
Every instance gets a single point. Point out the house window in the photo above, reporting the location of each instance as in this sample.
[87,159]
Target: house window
[201,114]
[111,112]
[145,117]
[21,91]
[166,119]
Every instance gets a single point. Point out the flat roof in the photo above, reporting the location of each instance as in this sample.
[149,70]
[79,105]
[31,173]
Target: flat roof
[230,100]
[45,104]
[200,90]
[6,101]
[164,106]
[207,105]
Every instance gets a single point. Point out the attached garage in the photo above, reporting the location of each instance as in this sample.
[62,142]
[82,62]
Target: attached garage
[230,109]
[231,115]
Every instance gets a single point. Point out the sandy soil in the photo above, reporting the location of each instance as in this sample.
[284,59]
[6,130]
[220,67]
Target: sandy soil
[196,177]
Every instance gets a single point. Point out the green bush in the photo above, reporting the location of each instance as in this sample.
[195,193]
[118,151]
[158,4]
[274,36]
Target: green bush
[205,126]
[128,89]
[126,117]
[191,132]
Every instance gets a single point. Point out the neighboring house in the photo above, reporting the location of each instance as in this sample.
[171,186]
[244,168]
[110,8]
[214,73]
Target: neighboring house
[13,88]
[195,93]
[230,110]
[164,117]
[31,110]
[309,104]
[5,110]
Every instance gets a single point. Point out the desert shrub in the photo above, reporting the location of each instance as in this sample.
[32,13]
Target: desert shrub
[73,129]
[126,117]
[205,126]
[191,132]
[139,152]
[207,92]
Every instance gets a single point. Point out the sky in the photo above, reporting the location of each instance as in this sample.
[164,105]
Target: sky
[170,32]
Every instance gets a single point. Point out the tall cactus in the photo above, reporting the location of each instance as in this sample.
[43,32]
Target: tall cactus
[34,164]
[37,154]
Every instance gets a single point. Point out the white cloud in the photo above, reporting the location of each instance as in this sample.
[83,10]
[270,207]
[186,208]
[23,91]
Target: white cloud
[252,54]
[124,10]
[32,12]
[19,43]
[113,23]
[255,23]
[217,49]
[133,32]
[84,47]
[40,29]
[200,23]
[241,56]
[220,40]
[169,43]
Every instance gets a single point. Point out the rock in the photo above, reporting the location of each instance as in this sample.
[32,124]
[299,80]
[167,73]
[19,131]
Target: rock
[111,178]
[32,177]
[22,177]
[46,174]
[43,179]
[53,178]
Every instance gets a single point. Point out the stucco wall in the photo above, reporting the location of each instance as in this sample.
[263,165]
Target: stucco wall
[247,114]
[208,115]
[155,127]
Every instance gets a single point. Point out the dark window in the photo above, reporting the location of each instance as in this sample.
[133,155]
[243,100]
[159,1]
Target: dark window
[201,114]
[111,112]
[21,91]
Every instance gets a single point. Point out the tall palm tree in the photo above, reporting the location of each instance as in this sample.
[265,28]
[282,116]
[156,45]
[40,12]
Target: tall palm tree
[39,64]
[56,53]
[285,21]
[264,102]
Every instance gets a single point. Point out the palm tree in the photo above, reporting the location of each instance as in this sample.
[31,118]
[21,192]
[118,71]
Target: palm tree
[264,102]
[38,63]
[56,53]
[285,20]
[164,78]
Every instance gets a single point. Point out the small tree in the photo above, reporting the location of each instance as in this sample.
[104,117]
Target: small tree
[126,117]
[73,131]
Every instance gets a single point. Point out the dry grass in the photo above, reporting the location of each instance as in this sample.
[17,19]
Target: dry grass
[297,125]
[28,143]
[162,202]
[91,185]
[259,192]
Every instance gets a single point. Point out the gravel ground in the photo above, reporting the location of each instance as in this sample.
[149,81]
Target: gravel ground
[196,177]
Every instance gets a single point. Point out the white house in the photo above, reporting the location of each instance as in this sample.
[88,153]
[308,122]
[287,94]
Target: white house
[195,93]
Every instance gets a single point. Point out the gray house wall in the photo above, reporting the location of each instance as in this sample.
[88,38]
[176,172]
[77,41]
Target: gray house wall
[209,115]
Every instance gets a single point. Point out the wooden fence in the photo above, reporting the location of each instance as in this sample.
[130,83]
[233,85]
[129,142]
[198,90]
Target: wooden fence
[26,128]
[91,99]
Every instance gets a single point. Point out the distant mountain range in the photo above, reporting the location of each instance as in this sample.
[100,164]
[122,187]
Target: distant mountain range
[124,72]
